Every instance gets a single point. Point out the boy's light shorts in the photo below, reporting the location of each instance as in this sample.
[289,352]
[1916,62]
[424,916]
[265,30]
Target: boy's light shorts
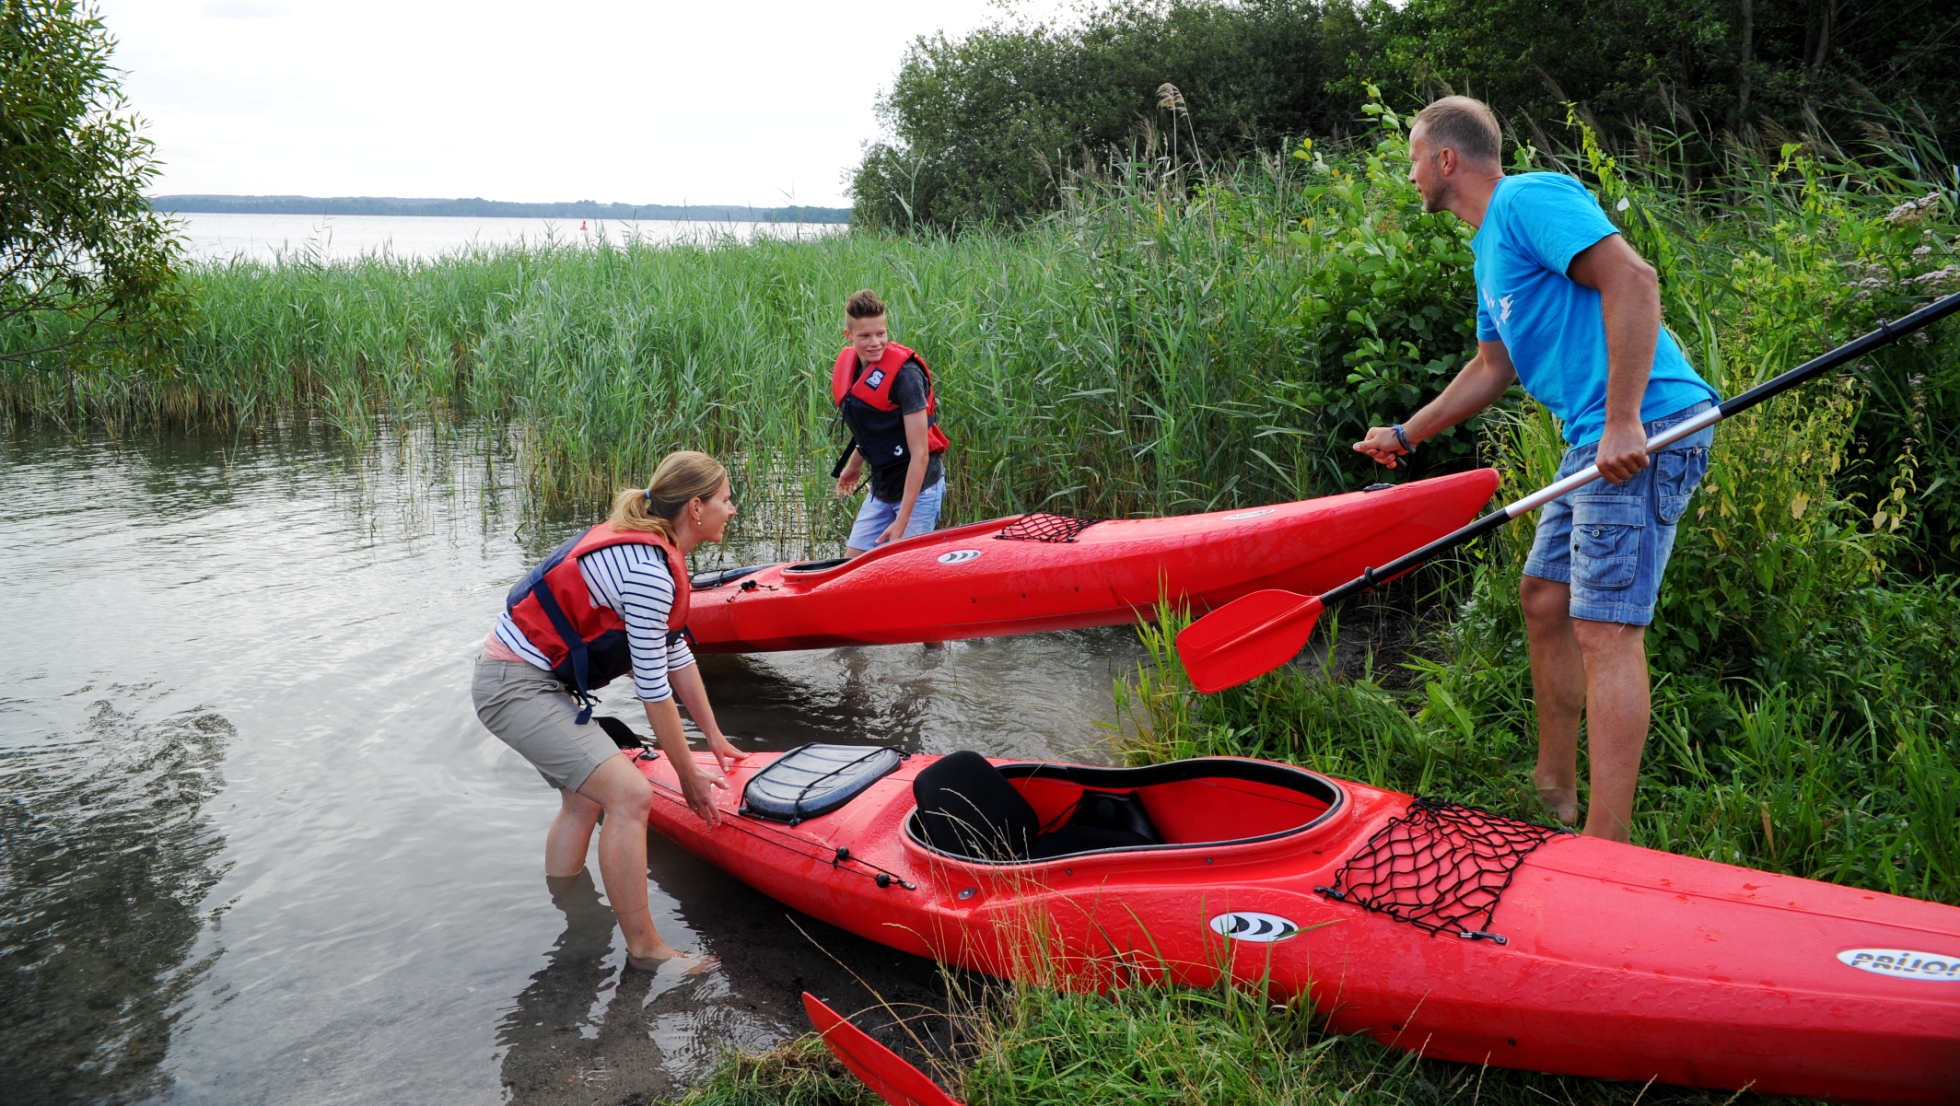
[1611,542]
[876,514]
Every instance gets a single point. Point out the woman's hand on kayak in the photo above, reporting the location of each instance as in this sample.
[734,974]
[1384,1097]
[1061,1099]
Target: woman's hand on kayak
[698,788]
[725,752]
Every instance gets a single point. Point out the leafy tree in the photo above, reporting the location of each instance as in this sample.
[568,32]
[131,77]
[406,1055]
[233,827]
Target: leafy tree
[984,126]
[80,247]
[1705,66]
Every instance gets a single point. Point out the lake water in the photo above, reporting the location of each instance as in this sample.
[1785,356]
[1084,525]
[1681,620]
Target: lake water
[256,848]
[220,236]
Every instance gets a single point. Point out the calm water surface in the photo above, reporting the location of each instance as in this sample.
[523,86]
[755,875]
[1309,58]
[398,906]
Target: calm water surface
[255,846]
[220,236]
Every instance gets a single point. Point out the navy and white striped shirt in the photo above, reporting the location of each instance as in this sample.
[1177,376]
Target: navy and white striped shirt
[633,580]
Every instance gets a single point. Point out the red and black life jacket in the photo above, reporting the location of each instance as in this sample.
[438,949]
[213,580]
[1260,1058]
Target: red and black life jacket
[873,415]
[586,644]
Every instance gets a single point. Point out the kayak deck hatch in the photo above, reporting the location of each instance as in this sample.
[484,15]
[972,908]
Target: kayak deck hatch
[813,780]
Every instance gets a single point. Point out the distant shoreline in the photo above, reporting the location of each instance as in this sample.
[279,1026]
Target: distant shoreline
[476,207]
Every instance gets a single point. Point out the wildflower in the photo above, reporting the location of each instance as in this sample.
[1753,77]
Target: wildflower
[1912,210]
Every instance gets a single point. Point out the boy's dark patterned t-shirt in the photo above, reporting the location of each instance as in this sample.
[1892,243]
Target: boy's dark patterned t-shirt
[888,479]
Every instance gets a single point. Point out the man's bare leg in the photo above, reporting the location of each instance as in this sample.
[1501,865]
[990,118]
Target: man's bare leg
[1618,706]
[1558,680]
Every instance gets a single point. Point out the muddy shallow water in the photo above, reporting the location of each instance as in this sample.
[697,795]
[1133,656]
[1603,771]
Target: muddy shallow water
[255,846]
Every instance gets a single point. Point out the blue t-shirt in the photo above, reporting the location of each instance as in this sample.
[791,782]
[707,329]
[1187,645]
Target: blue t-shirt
[1551,324]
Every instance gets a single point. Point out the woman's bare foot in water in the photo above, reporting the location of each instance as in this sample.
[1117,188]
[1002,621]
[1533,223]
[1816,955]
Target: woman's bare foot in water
[689,963]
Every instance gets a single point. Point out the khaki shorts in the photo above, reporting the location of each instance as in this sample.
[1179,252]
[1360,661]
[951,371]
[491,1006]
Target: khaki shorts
[531,712]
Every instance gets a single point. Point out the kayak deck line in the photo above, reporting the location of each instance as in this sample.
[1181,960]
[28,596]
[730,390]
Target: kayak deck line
[1619,962]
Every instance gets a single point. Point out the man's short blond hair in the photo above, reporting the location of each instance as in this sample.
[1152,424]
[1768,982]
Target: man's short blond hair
[1464,125]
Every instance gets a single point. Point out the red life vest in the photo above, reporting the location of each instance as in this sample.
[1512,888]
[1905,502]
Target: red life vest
[587,644]
[873,388]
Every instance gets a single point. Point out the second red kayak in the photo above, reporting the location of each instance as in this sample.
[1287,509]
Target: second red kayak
[1041,572]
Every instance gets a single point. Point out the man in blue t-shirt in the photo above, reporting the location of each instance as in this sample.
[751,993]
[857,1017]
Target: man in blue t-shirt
[1568,309]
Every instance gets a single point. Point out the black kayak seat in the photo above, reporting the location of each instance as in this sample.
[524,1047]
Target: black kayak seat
[968,809]
[812,780]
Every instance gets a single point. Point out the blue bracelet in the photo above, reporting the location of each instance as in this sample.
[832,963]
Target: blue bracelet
[1403,438]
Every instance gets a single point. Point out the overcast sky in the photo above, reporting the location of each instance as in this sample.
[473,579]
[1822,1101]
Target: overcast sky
[761,102]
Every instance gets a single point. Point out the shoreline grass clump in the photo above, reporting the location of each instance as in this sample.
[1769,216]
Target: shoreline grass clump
[1032,1044]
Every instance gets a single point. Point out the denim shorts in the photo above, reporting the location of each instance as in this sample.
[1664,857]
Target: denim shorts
[1611,542]
[876,514]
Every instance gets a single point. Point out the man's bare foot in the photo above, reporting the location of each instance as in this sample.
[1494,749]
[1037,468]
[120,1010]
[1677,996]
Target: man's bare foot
[689,963]
[1563,803]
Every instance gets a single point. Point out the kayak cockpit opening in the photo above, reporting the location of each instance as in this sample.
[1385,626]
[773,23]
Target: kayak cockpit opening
[816,566]
[1025,813]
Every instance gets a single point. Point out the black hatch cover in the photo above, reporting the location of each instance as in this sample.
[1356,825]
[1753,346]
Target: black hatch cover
[816,779]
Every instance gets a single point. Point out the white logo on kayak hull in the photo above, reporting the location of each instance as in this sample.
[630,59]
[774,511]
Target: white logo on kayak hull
[1931,967]
[958,556]
[1242,515]
[1250,925]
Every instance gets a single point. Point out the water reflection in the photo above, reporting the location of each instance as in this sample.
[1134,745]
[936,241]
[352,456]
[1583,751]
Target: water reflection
[563,1037]
[255,846]
[586,1030]
[106,855]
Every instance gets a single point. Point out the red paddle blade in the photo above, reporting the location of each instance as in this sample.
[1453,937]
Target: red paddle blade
[1248,637]
[888,1075]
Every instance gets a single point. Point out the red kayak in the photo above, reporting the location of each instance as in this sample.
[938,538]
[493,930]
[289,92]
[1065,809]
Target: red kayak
[1042,572]
[1435,927]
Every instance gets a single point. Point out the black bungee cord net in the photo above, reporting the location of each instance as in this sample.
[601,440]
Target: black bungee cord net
[1441,867]
[1045,527]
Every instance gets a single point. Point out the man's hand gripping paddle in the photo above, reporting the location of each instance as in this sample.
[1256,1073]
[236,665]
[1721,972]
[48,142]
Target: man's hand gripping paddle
[1254,634]
[884,1071]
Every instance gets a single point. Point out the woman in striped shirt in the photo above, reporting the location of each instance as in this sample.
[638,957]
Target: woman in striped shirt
[625,574]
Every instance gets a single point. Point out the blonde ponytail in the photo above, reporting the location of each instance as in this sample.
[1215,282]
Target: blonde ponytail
[682,477]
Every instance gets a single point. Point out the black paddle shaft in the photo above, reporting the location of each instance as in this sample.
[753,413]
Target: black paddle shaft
[1886,334]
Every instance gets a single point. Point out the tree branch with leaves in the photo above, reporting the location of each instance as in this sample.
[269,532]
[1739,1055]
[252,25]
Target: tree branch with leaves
[82,253]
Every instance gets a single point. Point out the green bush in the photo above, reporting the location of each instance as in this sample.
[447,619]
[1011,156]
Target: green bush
[1702,67]
[984,127]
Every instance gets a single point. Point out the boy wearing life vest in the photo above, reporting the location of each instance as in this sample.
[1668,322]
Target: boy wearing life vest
[884,393]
